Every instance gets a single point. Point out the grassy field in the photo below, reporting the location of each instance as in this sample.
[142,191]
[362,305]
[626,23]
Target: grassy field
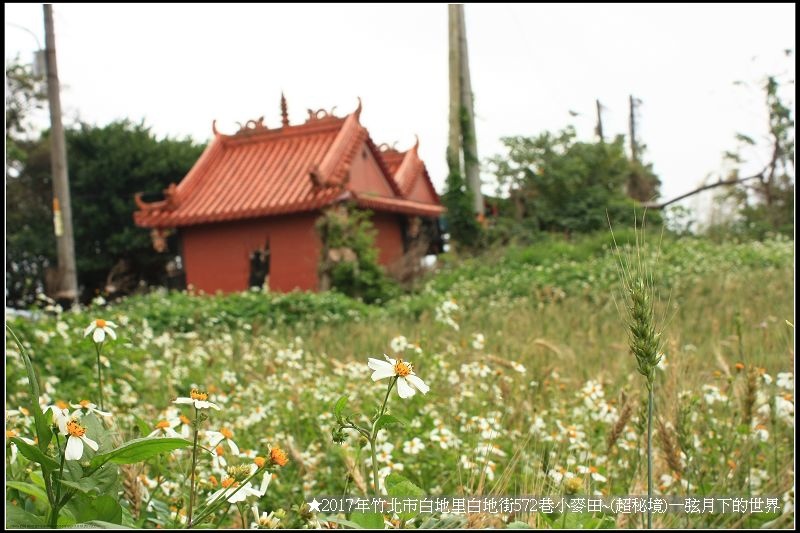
[533,389]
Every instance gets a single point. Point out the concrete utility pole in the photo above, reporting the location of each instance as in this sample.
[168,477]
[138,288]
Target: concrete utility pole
[67,288]
[471,162]
[454,138]
[462,128]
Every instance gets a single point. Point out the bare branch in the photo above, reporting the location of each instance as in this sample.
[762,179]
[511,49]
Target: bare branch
[719,183]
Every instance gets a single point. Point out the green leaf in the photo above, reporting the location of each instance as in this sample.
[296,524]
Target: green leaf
[43,431]
[85,485]
[98,482]
[39,495]
[142,426]
[72,471]
[35,454]
[96,431]
[399,487]
[339,407]
[139,450]
[387,420]
[37,479]
[104,508]
[19,518]
[366,520]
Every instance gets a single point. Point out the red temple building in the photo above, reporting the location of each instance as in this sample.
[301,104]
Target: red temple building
[263,189]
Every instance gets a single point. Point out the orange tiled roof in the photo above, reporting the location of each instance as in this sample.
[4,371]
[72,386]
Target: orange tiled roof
[409,171]
[260,171]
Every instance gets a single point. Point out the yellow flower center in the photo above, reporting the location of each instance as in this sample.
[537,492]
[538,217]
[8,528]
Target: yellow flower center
[84,403]
[213,480]
[227,433]
[185,419]
[10,433]
[100,323]
[278,457]
[162,425]
[197,395]
[24,411]
[229,482]
[259,461]
[402,368]
[75,429]
[220,450]
[61,404]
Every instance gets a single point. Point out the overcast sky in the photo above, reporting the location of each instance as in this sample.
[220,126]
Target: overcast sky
[178,67]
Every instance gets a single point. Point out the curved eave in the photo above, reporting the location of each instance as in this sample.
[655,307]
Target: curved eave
[396,205]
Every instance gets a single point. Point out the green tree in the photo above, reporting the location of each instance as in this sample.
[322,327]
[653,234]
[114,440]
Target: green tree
[349,262]
[766,199]
[30,244]
[553,183]
[107,165]
[24,97]
[460,222]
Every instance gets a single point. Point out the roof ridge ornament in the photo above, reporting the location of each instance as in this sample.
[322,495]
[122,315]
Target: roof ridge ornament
[284,112]
[320,114]
[252,126]
[357,112]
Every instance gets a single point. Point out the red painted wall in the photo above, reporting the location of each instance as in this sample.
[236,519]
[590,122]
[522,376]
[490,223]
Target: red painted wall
[421,193]
[217,256]
[366,175]
[389,238]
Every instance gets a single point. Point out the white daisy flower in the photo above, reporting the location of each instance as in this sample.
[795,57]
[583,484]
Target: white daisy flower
[100,327]
[229,491]
[785,380]
[407,381]
[10,433]
[77,438]
[198,399]
[60,413]
[398,344]
[413,446]
[224,435]
[478,341]
[266,521]
[164,429]
[86,407]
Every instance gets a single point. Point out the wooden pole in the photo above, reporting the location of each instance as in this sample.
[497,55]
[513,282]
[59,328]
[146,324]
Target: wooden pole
[62,207]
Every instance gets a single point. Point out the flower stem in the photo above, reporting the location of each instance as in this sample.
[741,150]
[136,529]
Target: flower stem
[374,466]
[386,398]
[374,437]
[98,348]
[194,466]
[241,515]
[649,454]
[222,516]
